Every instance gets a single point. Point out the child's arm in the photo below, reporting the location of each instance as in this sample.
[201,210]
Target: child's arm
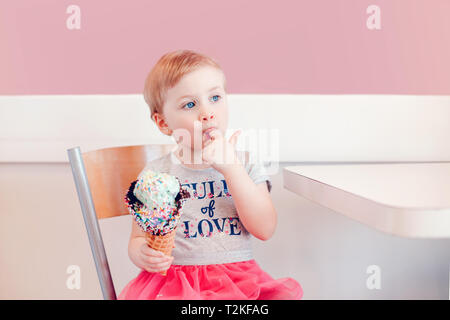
[142,255]
[252,201]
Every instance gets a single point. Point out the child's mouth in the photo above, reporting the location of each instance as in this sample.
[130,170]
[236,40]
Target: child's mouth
[207,131]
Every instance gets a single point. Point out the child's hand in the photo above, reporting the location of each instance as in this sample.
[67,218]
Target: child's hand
[218,152]
[152,260]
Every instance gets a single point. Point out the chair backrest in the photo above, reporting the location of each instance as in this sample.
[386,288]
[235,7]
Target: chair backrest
[102,178]
[110,172]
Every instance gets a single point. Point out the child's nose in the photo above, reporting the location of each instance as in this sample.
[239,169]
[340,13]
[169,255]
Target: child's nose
[207,117]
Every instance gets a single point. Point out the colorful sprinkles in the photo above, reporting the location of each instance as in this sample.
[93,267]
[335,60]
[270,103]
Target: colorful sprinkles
[156,201]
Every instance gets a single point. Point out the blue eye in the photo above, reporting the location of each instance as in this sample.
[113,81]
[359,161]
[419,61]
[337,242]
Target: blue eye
[192,103]
[189,104]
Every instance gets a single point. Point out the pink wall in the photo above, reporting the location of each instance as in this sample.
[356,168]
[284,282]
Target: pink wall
[282,46]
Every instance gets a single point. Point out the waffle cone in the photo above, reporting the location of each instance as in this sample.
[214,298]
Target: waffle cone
[163,243]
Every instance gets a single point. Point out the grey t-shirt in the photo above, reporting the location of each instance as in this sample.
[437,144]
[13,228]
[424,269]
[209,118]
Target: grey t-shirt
[209,231]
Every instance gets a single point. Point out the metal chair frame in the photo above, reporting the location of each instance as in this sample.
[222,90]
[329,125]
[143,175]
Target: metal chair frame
[109,190]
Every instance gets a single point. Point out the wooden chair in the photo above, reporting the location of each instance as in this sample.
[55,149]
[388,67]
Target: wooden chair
[102,178]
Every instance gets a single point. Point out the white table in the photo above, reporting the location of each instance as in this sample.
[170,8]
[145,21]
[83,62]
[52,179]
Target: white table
[408,200]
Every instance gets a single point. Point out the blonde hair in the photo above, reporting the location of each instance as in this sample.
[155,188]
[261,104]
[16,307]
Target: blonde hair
[166,73]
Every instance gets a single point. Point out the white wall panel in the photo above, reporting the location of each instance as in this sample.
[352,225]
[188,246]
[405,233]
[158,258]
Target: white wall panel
[317,128]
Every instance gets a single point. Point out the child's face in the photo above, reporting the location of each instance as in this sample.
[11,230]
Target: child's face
[197,102]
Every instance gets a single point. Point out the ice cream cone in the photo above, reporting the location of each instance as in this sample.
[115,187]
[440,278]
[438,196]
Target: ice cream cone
[163,243]
[156,201]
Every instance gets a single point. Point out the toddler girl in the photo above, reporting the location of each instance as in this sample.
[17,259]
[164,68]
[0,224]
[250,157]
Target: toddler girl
[230,200]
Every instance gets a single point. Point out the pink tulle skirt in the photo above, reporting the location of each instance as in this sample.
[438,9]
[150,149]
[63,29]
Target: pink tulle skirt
[230,281]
